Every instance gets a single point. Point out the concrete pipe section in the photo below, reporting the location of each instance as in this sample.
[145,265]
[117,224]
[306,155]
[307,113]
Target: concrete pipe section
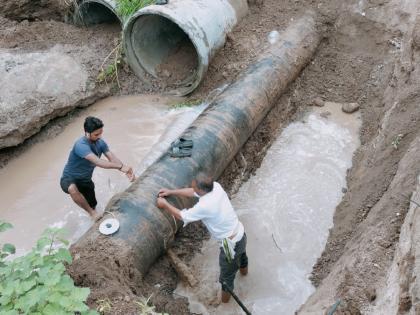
[218,133]
[91,12]
[175,42]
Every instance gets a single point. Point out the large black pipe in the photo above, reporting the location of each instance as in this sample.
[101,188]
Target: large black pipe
[218,134]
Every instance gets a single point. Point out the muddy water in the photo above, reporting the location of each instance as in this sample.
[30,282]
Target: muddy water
[30,194]
[287,208]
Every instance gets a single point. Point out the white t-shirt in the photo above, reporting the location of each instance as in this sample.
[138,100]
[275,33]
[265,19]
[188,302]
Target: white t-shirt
[217,214]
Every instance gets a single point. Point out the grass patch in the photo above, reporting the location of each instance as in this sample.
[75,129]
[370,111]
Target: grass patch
[186,103]
[126,8]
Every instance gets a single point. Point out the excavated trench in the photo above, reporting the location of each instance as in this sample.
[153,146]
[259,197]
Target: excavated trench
[287,208]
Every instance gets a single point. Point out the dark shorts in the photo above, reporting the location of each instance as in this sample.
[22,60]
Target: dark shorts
[86,188]
[228,270]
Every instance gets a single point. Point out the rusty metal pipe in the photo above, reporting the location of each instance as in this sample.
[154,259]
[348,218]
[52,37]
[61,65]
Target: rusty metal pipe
[218,133]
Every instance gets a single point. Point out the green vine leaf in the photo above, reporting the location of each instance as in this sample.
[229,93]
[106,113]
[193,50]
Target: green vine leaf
[63,254]
[9,248]
[5,226]
[37,283]
[42,243]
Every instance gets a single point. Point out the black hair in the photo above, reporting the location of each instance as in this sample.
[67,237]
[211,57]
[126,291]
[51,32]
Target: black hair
[92,123]
[204,182]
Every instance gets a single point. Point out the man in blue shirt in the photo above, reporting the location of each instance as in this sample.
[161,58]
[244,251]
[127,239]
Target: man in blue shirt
[76,179]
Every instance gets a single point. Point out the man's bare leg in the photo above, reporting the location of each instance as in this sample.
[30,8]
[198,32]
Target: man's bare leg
[81,201]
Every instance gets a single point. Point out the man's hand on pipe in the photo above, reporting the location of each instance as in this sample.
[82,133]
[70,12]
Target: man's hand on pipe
[162,203]
[128,170]
[164,192]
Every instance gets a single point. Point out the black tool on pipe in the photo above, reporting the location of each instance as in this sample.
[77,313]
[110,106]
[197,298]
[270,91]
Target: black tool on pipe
[236,299]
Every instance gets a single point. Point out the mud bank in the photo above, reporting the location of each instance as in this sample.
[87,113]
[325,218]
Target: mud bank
[37,87]
[367,223]
[34,10]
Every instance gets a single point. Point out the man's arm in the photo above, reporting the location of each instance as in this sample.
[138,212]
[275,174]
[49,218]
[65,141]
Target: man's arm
[164,204]
[128,170]
[103,163]
[112,157]
[183,192]
[111,165]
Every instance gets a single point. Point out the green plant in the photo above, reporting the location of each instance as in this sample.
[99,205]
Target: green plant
[146,309]
[186,103]
[126,8]
[396,142]
[103,306]
[7,249]
[37,283]
[109,73]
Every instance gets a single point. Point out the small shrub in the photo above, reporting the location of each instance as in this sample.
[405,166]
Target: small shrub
[7,249]
[103,306]
[37,283]
[126,8]
[109,73]
[146,309]
[396,142]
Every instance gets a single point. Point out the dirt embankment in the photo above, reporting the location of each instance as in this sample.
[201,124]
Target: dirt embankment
[367,223]
[369,55]
[32,10]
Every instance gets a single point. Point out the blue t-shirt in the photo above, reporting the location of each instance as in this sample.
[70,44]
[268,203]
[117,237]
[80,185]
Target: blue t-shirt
[77,166]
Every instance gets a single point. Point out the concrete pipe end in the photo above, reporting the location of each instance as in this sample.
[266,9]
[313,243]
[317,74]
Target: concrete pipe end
[92,12]
[157,45]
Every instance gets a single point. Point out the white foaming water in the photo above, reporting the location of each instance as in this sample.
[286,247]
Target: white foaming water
[32,199]
[273,37]
[287,208]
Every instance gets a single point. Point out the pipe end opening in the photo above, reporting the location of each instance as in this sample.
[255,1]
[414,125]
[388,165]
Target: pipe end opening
[90,13]
[164,50]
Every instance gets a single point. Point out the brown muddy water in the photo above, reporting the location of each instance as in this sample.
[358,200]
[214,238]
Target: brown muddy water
[137,128]
[287,209]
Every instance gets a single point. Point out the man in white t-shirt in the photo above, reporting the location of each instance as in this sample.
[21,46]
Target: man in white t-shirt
[216,212]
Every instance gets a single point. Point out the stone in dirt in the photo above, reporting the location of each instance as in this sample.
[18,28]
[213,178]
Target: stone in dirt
[318,102]
[345,107]
[350,107]
[325,114]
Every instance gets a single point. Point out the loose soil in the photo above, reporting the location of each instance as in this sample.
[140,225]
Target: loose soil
[369,55]
[180,65]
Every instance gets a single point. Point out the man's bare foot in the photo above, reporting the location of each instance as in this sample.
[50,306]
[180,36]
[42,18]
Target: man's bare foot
[225,296]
